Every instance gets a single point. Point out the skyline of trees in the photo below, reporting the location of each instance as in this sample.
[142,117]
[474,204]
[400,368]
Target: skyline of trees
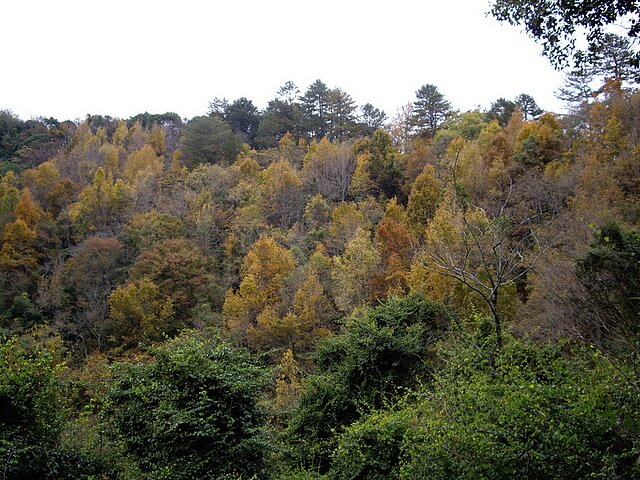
[334,287]
[318,112]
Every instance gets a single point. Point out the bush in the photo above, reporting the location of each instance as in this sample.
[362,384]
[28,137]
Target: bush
[370,449]
[32,418]
[379,355]
[539,415]
[191,412]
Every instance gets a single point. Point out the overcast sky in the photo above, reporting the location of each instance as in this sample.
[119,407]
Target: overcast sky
[72,57]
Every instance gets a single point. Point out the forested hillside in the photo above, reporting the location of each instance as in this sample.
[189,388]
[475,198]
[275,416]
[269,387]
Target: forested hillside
[315,290]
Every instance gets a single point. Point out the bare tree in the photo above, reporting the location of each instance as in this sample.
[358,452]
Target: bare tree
[329,168]
[484,251]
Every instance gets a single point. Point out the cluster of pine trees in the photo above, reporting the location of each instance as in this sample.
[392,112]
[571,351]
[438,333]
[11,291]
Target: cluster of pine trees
[314,292]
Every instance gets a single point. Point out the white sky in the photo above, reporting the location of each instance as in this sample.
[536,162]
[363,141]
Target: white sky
[67,58]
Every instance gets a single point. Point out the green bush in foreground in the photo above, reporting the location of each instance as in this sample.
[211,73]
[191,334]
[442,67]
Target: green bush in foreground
[191,412]
[375,360]
[32,417]
[537,415]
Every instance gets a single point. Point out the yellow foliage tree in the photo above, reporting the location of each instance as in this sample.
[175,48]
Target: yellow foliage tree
[41,180]
[28,210]
[157,140]
[313,312]
[19,242]
[395,244]
[84,139]
[426,194]
[266,267]
[138,311]
[100,204]
[361,183]
[346,219]
[270,264]
[298,329]
[111,155]
[599,191]
[18,261]
[241,308]
[353,271]
[9,197]
[317,212]
[247,167]
[288,385]
[143,161]
[281,199]
[273,332]
[19,249]
[120,135]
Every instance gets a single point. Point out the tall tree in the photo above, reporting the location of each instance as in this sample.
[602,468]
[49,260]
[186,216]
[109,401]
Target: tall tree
[281,201]
[241,115]
[315,103]
[501,110]
[426,194]
[279,118]
[217,107]
[264,272]
[353,272]
[299,329]
[346,220]
[394,243]
[371,118]
[341,114]
[614,59]
[528,106]
[576,88]
[288,92]
[430,110]
[19,258]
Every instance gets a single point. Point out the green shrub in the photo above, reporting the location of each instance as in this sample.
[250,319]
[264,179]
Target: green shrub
[377,357]
[191,412]
[32,417]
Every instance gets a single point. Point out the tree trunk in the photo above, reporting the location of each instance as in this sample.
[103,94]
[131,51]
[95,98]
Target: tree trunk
[497,320]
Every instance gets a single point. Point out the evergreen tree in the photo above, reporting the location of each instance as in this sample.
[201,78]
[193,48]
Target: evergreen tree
[501,110]
[528,106]
[430,110]
[315,103]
